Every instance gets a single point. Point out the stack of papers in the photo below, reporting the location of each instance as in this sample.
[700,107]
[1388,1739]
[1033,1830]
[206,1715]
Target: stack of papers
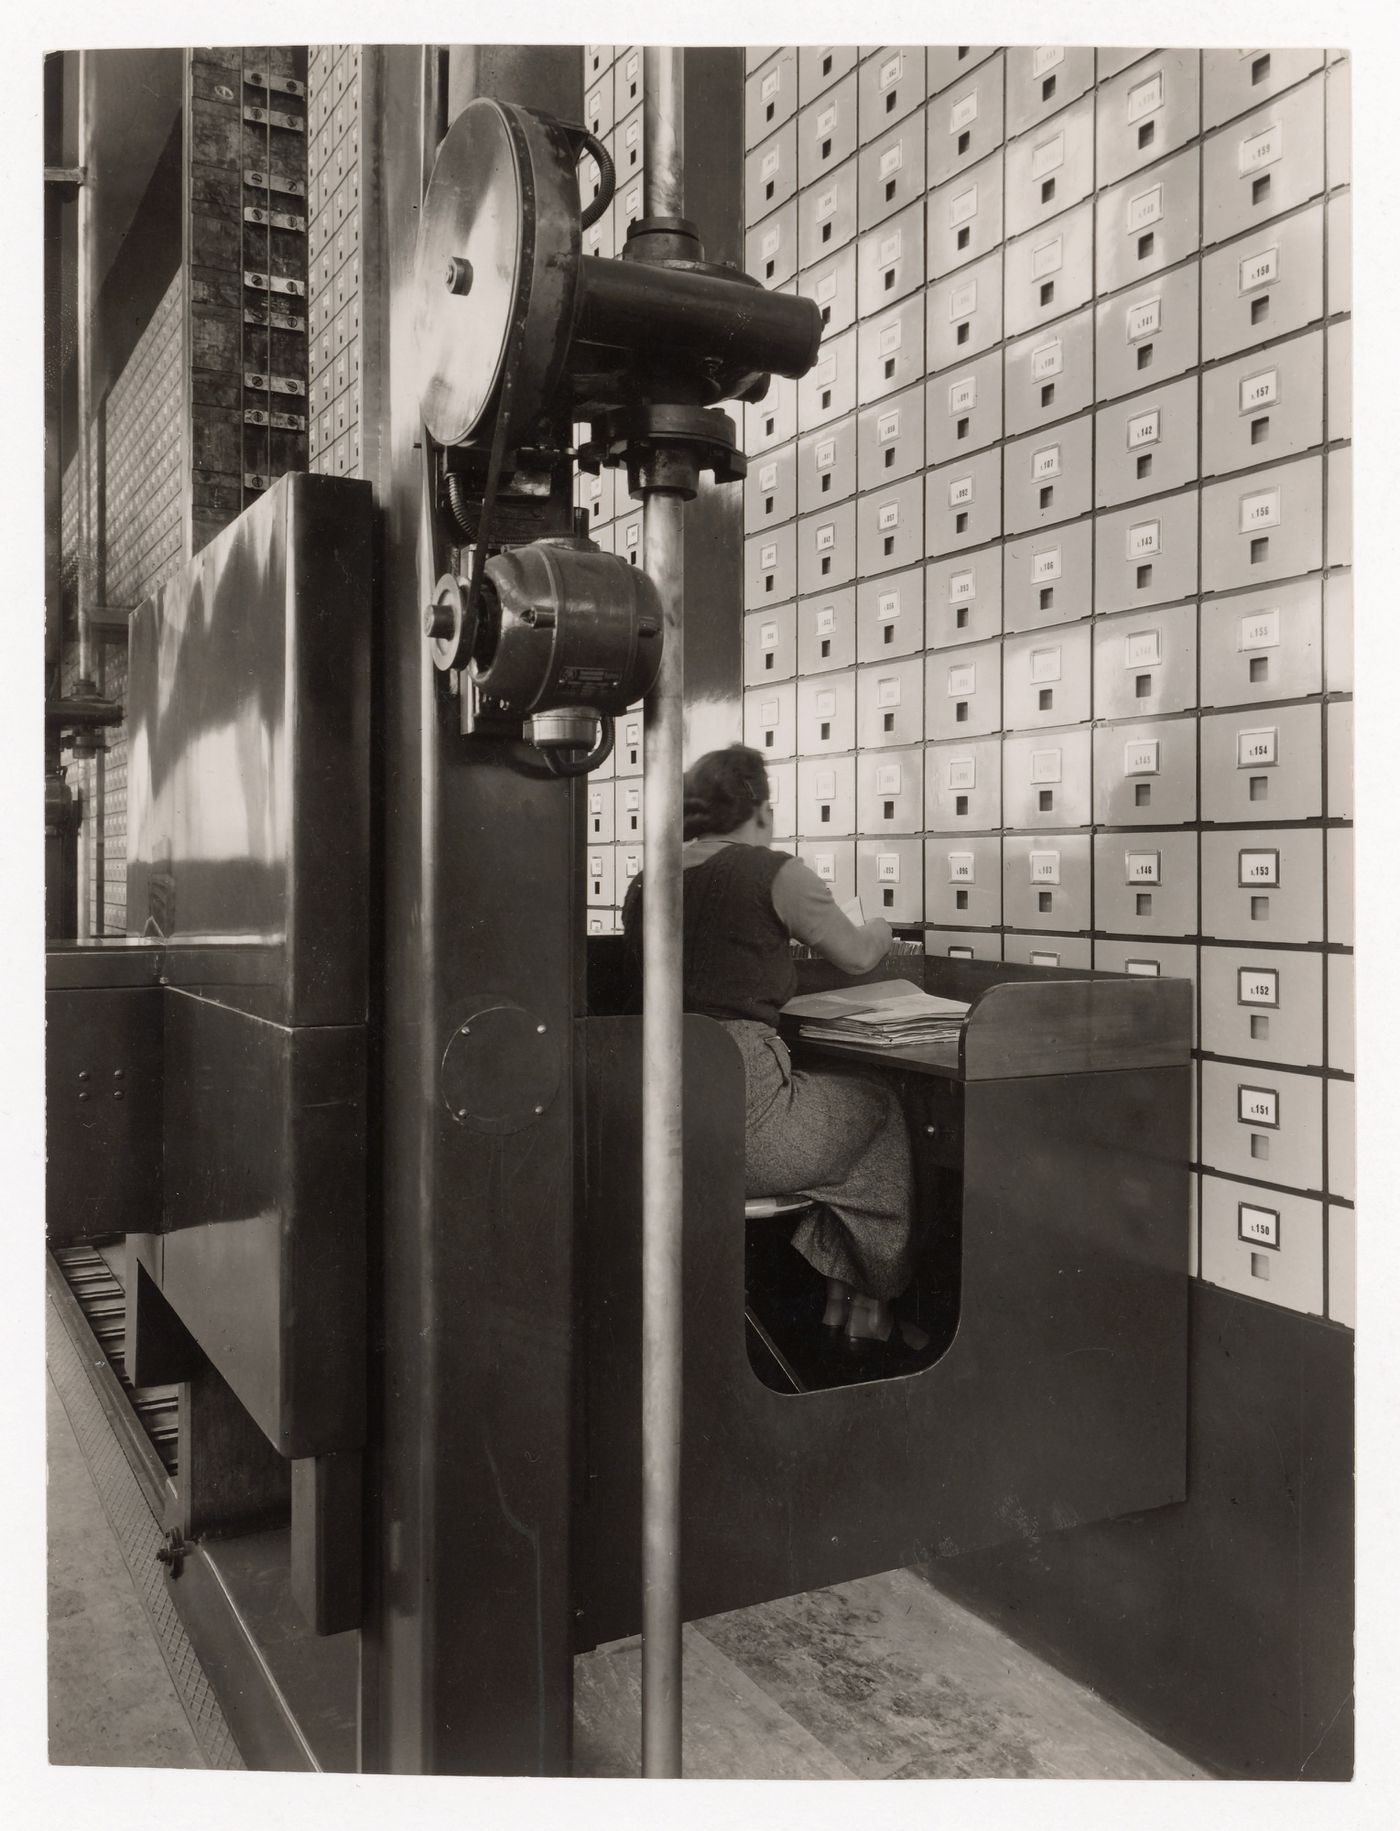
[880,1016]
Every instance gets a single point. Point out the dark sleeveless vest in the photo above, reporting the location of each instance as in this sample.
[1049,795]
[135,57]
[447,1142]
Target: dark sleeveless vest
[736,962]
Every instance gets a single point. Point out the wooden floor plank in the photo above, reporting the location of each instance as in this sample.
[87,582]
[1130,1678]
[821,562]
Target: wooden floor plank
[731,1727]
[897,1680]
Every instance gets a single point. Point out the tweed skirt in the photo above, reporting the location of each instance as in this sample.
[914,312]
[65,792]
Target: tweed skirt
[839,1137]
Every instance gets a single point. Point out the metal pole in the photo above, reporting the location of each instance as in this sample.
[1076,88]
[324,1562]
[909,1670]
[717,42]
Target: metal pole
[84,330]
[662,1314]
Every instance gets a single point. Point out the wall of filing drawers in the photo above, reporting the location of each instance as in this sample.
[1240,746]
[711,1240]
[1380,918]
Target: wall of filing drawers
[612,108]
[141,542]
[334,113]
[1047,597]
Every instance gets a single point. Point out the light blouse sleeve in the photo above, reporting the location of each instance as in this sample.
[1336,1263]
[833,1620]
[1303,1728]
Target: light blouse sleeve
[809,912]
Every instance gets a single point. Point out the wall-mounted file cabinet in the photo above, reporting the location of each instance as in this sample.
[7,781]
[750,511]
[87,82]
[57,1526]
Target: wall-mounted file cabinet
[962,786]
[1262,1004]
[1145,663]
[1145,773]
[1145,883]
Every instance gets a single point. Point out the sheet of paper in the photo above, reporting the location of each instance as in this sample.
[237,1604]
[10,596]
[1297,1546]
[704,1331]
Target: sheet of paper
[853,912]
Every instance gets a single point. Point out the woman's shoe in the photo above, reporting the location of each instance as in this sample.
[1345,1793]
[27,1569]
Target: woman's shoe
[870,1323]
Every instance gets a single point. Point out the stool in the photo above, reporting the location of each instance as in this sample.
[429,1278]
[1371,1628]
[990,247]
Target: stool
[769,1207]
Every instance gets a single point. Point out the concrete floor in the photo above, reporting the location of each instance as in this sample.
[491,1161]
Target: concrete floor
[111,1699]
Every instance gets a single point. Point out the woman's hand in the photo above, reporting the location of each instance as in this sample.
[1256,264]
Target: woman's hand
[881,931]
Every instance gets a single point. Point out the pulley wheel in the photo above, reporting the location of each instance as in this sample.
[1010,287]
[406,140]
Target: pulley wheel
[498,260]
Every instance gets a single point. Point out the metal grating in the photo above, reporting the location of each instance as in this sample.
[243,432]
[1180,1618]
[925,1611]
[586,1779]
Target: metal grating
[102,1300]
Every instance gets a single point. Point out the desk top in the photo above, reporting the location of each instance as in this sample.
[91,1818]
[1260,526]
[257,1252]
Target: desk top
[1065,1025]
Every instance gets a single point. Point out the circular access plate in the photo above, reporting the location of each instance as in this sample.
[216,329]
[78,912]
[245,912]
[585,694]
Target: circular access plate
[503,198]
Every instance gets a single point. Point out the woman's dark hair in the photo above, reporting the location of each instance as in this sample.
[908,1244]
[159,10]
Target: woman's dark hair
[722,790]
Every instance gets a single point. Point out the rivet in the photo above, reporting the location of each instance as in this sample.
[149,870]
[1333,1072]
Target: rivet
[539,1109]
[539,1029]
[84,1096]
[118,1093]
[465,1030]
[463,1113]
[119,1074]
[82,1074]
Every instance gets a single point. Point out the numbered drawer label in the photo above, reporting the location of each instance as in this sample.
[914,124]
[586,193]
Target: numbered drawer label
[887,692]
[1048,157]
[963,112]
[1144,319]
[826,620]
[891,70]
[961,868]
[960,492]
[1045,665]
[1258,985]
[824,455]
[962,772]
[891,337]
[1257,749]
[1145,429]
[1258,869]
[1261,509]
[824,864]
[962,680]
[889,779]
[1047,766]
[769,714]
[1143,969]
[1146,208]
[826,537]
[1142,649]
[887,606]
[1259,269]
[768,635]
[1048,360]
[1046,565]
[962,587]
[1144,539]
[1045,58]
[824,785]
[1045,463]
[1048,258]
[1260,150]
[887,867]
[1259,390]
[962,396]
[1141,757]
[1045,867]
[826,704]
[892,159]
[887,516]
[1258,1226]
[1258,1106]
[1260,629]
[962,301]
[1146,97]
[963,207]
[1142,867]
[887,427]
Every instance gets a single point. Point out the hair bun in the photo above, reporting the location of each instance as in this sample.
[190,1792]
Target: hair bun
[722,790]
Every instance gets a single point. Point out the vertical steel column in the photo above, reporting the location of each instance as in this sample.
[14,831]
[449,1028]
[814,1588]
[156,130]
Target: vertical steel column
[662,1092]
[84,330]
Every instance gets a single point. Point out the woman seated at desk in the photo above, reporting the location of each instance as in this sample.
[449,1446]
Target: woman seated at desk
[836,1136]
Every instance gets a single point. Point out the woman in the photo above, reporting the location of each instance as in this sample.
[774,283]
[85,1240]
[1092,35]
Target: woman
[838,1137]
